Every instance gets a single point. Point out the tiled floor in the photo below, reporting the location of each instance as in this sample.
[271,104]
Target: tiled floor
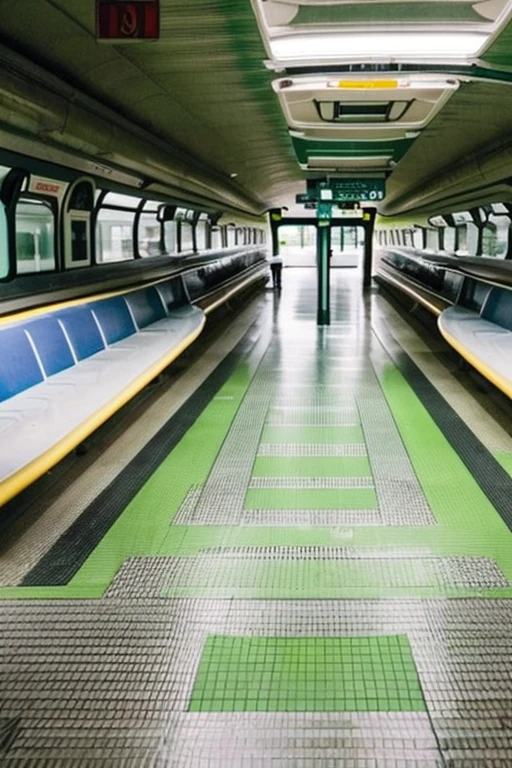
[313,577]
[306,674]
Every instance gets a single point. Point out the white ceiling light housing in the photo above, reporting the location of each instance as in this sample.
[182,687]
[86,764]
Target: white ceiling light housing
[355,107]
[366,45]
[335,163]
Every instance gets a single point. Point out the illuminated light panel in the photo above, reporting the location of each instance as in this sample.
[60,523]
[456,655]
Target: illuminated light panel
[365,162]
[389,45]
[368,84]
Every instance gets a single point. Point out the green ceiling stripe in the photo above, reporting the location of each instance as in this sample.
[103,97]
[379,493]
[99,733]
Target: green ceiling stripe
[304,148]
[500,52]
[375,13]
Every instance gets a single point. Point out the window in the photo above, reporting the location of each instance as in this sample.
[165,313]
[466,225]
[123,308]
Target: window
[231,237]
[449,239]
[116,200]
[114,228]
[496,235]
[201,232]
[472,239]
[35,236]
[4,238]
[149,231]
[114,235]
[171,236]
[462,239]
[4,244]
[432,240]
[417,239]
[187,242]
[216,238]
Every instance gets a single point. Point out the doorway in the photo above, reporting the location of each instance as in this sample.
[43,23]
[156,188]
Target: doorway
[297,245]
[347,244]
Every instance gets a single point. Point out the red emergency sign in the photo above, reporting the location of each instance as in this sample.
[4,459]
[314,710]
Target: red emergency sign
[127,19]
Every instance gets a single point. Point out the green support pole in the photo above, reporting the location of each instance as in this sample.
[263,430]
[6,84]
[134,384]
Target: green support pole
[275,238]
[323,246]
[275,218]
[369,222]
[342,239]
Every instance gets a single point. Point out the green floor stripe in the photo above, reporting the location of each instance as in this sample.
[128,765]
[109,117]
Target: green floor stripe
[305,498]
[307,674]
[454,496]
[312,466]
[143,527]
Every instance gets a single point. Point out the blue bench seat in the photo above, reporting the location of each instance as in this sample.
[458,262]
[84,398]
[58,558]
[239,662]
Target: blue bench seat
[64,372]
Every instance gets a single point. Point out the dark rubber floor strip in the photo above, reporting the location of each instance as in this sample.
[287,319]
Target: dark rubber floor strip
[71,550]
[494,481]
[10,728]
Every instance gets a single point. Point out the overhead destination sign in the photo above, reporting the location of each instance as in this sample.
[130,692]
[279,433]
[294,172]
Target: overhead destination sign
[358,190]
[344,191]
[121,20]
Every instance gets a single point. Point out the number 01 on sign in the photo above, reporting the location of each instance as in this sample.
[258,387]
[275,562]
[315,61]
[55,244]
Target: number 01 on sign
[127,20]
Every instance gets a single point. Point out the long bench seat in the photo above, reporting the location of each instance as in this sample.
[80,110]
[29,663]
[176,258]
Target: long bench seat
[65,371]
[484,339]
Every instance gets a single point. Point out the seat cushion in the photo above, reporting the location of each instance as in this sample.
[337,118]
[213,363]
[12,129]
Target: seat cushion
[19,367]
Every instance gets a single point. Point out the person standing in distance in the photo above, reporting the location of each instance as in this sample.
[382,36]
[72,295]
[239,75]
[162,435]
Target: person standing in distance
[276,267]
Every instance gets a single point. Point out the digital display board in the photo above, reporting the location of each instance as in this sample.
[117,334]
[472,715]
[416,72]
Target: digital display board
[343,191]
[358,190]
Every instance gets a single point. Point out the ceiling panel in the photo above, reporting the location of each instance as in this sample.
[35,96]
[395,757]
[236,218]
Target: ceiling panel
[202,87]
[205,90]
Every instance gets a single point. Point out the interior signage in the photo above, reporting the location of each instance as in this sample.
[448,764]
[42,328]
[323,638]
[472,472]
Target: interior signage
[48,187]
[127,20]
[343,191]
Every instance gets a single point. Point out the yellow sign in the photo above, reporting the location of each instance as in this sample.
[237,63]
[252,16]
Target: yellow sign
[368,84]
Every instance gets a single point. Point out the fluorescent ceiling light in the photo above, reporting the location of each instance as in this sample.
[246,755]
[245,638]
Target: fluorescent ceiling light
[390,45]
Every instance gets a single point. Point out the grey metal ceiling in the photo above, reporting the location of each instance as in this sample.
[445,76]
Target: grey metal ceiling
[203,91]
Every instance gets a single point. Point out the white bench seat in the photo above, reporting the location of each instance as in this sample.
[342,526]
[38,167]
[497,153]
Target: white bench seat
[53,394]
[484,344]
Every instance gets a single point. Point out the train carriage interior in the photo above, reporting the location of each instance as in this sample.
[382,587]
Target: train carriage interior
[255,383]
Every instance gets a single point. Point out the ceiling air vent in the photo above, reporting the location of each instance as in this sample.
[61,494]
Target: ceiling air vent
[361,112]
